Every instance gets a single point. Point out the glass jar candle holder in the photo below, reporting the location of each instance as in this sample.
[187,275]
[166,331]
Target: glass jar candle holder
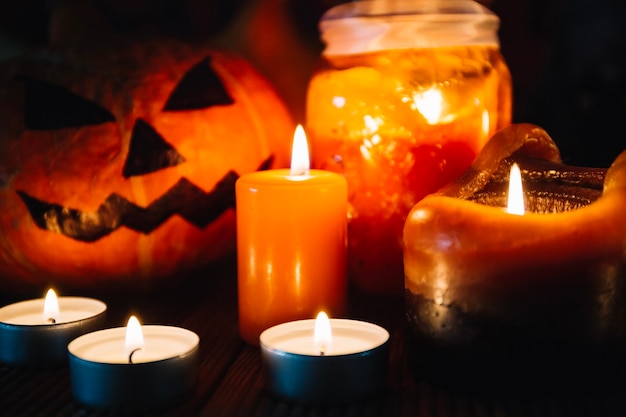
[405,96]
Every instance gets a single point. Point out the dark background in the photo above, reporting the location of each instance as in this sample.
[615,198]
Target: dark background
[568,61]
[567,57]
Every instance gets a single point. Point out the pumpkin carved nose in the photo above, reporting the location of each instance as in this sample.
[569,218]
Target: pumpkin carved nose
[148,151]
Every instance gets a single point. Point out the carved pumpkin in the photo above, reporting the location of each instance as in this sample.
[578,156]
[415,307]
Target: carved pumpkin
[117,168]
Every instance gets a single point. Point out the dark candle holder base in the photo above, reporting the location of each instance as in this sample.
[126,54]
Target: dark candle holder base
[472,353]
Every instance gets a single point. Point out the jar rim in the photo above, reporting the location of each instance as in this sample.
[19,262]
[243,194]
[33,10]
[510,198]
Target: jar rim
[409,8]
[372,25]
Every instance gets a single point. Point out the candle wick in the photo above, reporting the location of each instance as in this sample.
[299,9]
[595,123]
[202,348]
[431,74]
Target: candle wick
[52,320]
[130,356]
[296,172]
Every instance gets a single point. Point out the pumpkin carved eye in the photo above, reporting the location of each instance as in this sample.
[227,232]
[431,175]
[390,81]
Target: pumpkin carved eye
[49,106]
[148,152]
[199,88]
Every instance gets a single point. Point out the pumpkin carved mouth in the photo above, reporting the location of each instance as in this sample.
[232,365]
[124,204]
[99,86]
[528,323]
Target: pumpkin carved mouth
[49,107]
[183,198]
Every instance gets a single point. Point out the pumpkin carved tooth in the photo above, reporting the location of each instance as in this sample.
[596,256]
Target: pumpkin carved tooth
[184,198]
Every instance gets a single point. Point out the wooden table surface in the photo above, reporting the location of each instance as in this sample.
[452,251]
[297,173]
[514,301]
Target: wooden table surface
[231,378]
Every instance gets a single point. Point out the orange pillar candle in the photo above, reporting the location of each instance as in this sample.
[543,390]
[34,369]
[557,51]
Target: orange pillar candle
[291,244]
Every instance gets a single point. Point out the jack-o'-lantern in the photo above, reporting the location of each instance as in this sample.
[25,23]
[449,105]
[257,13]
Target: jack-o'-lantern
[117,167]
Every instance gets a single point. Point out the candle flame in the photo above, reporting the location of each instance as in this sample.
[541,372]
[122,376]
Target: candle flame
[51,313]
[516,193]
[300,162]
[322,335]
[134,337]
[430,105]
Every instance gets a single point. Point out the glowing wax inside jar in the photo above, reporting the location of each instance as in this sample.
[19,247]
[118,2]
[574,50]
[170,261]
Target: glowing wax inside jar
[291,244]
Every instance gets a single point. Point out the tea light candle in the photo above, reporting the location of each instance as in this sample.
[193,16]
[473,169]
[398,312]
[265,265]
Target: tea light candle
[325,361]
[291,243]
[35,333]
[134,367]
